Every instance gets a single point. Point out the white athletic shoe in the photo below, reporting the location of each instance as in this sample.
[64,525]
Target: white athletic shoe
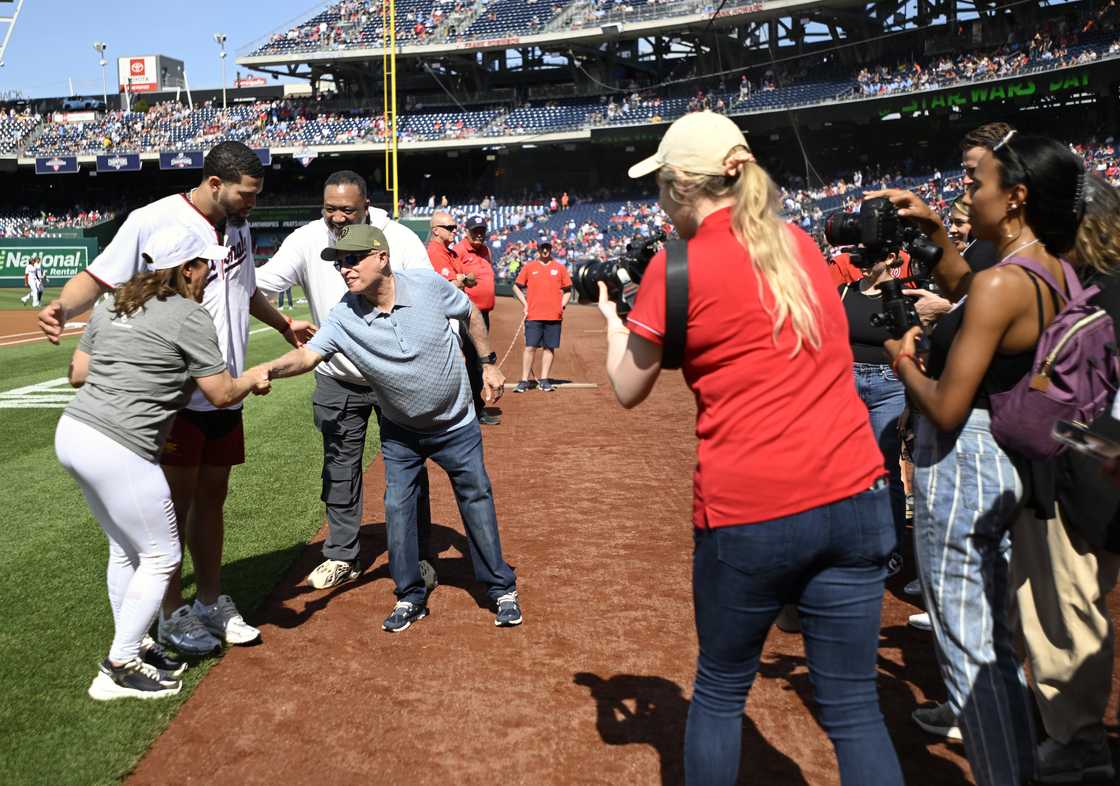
[225,621]
[920,621]
[333,572]
[133,680]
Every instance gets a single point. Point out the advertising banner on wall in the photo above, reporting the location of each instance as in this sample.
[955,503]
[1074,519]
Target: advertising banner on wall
[56,165]
[188,159]
[119,162]
[138,74]
[62,258]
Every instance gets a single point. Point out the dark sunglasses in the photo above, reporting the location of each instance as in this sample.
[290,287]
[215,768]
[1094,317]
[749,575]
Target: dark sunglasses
[448,227]
[351,260]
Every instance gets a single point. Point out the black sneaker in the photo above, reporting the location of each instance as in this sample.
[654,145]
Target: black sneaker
[509,611]
[133,680]
[522,386]
[546,386]
[153,653]
[404,614]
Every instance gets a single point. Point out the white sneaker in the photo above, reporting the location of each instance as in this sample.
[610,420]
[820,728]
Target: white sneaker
[225,621]
[133,680]
[333,572]
[920,621]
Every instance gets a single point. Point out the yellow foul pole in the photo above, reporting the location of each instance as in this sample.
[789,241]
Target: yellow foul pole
[393,87]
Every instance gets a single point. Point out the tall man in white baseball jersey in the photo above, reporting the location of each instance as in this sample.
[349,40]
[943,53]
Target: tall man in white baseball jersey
[343,401]
[204,442]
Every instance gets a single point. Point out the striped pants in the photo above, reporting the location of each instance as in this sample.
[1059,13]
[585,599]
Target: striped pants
[966,497]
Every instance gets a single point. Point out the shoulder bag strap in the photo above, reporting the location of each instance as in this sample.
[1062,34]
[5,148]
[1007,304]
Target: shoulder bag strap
[676,303]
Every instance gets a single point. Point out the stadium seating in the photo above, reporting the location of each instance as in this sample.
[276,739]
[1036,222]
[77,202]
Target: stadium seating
[22,223]
[14,129]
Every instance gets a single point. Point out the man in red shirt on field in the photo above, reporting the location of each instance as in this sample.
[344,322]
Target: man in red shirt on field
[474,260]
[469,275]
[544,288]
[440,253]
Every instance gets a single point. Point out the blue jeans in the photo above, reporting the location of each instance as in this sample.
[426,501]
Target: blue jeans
[966,497]
[459,453]
[831,561]
[885,398]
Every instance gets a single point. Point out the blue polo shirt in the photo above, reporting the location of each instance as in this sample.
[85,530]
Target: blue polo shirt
[410,355]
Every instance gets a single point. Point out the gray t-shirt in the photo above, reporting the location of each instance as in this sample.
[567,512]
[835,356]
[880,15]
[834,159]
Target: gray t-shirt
[142,370]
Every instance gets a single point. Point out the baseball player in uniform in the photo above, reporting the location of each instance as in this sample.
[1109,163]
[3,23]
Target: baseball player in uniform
[35,276]
[205,441]
[343,401]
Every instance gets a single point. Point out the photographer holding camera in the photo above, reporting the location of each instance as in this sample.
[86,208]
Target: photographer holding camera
[1025,199]
[767,358]
[878,387]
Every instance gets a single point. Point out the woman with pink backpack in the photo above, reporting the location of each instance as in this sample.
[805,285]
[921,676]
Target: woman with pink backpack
[1027,199]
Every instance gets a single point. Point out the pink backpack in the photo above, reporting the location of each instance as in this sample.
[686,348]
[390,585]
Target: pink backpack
[1075,374]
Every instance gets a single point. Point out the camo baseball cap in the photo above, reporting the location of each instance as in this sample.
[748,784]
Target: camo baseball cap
[697,142]
[356,237]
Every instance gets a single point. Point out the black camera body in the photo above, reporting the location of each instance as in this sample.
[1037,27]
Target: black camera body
[622,275]
[898,314]
[876,231]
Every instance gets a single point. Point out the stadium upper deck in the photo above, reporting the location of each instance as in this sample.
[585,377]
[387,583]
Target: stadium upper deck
[354,30]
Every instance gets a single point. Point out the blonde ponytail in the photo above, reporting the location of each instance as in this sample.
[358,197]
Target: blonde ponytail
[759,228]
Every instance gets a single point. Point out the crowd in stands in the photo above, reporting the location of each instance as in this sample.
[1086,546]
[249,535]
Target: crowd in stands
[357,24]
[312,122]
[1046,49]
[25,223]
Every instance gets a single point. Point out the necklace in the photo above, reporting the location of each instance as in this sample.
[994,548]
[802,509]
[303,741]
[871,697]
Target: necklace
[1017,250]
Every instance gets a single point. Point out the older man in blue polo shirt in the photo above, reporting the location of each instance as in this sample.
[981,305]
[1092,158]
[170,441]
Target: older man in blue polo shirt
[394,328]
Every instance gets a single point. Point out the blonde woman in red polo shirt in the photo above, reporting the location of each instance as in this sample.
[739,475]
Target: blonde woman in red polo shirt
[791,501]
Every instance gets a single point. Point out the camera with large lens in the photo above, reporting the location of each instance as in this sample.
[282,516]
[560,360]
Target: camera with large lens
[877,231]
[622,275]
[898,314]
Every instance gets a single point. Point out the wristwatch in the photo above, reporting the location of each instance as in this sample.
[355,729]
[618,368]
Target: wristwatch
[488,360]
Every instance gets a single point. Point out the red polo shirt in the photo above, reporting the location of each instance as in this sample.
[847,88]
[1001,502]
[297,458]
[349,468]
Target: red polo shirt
[778,435]
[444,260]
[544,288]
[477,262]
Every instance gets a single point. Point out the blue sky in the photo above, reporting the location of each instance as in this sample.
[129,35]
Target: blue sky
[53,39]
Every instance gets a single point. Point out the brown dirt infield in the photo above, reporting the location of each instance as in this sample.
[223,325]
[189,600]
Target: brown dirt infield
[21,326]
[593,504]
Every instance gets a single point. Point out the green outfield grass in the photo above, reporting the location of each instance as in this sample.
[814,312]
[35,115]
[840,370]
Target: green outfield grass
[9,297]
[56,620]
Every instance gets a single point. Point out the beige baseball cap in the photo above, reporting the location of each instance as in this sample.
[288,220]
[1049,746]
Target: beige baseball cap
[696,143]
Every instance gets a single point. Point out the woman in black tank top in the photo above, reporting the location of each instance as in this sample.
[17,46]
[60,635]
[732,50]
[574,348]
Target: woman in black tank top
[967,489]
[878,387]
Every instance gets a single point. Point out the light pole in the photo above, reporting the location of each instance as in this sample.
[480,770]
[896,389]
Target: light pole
[220,40]
[100,47]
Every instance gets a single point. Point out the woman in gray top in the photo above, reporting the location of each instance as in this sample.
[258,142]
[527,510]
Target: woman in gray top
[137,363]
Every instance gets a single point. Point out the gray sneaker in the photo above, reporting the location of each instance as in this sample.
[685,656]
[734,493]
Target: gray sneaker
[431,580]
[1081,761]
[938,720]
[184,631]
[224,620]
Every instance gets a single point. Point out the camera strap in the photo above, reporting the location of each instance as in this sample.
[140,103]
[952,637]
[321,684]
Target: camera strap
[676,303]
